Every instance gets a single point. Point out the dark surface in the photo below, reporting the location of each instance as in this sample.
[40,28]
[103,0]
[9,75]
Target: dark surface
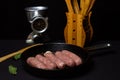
[105,66]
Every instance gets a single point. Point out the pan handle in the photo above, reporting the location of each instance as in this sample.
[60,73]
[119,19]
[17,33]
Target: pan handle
[98,46]
[99,49]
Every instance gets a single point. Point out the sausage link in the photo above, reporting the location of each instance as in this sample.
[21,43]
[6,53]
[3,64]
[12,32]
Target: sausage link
[50,65]
[35,63]
[73,56]
[66,59]
[60,64]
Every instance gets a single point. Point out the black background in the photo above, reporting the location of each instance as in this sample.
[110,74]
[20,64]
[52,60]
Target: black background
[14,24]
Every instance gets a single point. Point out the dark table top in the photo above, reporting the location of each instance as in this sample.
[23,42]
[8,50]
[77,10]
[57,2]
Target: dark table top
[106,66]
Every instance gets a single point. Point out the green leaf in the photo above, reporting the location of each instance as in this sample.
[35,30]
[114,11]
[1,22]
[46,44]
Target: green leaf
[12,69]
[16,57]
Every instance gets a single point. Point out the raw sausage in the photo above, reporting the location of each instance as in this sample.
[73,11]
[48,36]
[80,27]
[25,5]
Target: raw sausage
[46,61]
[60,64]
[51,61]
[73,56]
[66,59]
[35,63]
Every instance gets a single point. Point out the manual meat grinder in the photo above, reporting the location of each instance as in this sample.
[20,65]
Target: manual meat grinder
[38,18]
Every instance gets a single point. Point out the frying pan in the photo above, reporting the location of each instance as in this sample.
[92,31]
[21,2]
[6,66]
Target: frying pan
[81,52]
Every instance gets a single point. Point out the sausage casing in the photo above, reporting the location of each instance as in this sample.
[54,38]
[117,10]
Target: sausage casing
[46,61]
[60,64]
[73,56]
[35,63]
[66,59]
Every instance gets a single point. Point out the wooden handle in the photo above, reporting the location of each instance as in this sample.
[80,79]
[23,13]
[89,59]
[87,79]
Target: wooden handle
[76,6]
[82,5]
[87,3]
[15,53]
[90,6]
[68,29]
[80,32]
[74,32]
[69,5]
